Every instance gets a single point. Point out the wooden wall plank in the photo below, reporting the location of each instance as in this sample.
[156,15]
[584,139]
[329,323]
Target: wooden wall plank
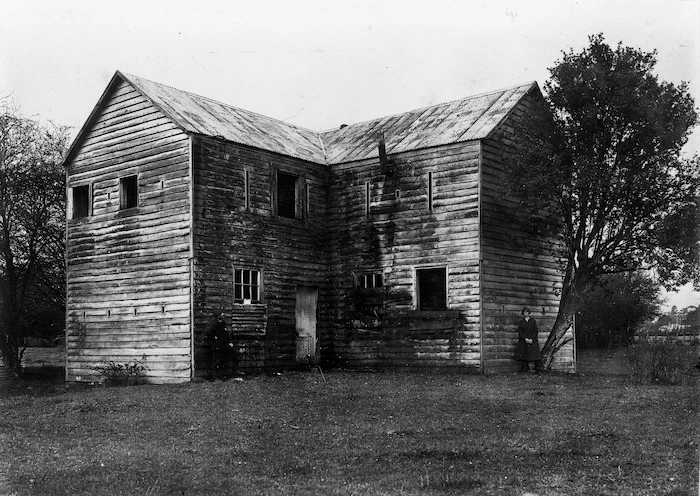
[399,234]
[127,270]
[288,252]
[518,270]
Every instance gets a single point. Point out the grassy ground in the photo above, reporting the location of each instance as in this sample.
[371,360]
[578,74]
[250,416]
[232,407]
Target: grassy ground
[343,433]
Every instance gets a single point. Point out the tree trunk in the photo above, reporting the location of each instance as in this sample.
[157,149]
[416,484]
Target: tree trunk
[556,338]
[11,345]
[568,306]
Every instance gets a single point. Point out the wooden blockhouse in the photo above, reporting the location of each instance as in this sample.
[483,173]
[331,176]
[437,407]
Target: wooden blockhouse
[388,243]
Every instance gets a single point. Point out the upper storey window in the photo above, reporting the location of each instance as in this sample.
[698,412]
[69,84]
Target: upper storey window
[289,193]
[128,192]
[80,202]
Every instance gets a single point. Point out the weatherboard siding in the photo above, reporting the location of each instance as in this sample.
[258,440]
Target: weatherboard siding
[145,284]
[517,270]
[398,235]
[128,273]
[288,252]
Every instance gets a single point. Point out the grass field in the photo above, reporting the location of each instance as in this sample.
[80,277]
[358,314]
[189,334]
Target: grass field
[346,433]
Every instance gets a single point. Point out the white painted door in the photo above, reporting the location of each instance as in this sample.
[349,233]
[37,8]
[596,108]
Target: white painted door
[306,320]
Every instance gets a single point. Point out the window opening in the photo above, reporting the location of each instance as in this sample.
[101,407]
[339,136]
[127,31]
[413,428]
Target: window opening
[432,289]
[81,201]
[246,189]
[246,286]
[370,281]
[368,296]
[430,191]
[367,198]
[287,195]
[128,192]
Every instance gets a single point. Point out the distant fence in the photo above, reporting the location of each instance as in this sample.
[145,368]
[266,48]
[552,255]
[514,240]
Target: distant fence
[681,334]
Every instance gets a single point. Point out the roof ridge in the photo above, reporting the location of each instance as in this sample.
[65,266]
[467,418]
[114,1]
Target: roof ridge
[423,109]
[197,95]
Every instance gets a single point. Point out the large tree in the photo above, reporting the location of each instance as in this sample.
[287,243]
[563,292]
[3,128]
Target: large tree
[602,172]
[32,216]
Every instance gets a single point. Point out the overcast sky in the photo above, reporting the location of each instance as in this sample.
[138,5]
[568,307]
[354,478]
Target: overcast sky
[322,63]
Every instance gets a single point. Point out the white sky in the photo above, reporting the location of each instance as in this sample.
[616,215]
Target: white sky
[322,63]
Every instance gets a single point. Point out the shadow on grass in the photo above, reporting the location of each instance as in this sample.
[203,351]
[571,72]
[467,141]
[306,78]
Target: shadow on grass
[37,380]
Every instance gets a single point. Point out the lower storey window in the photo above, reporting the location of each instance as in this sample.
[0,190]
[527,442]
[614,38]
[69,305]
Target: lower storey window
[246,286]
[431,286]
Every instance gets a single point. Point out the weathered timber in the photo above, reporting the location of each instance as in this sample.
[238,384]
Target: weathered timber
[517,270]
[107,293]
[214,207]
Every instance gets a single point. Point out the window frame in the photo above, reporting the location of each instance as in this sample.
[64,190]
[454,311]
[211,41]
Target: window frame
[258,285]
[431,191]
[299,190]
[88,201]
[368,198]
[369,280]
[417,287]
[125,193]
[246,190]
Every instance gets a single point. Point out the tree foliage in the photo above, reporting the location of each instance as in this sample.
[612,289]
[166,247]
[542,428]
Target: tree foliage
[601,170]
[615,308]
[32,218]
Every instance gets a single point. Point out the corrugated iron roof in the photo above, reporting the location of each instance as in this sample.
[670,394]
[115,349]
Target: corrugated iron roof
[467,119]
[200,115]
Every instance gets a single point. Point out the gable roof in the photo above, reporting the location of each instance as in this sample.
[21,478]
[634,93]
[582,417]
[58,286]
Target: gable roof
[466,119]
[200,115]
[470,118]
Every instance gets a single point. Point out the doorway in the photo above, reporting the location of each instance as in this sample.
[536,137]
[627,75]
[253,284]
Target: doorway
[306,323]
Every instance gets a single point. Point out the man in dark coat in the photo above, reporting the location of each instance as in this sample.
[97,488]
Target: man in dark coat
[528,349]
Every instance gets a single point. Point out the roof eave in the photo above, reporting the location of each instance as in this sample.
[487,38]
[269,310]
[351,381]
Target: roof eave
[91,118]
[496,126]
[118,75]
[144,94]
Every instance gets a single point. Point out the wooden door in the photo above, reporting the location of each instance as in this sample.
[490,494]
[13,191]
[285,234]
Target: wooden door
[306,321]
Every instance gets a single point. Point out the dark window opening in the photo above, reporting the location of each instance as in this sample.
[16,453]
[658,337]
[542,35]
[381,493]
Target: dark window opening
[246,286]
[432,289]
[81,201]
[128,192]
[246,189]
[287,195]
[430,191]
[367,199]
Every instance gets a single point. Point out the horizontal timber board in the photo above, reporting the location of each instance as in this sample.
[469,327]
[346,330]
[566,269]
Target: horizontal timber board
[175,353]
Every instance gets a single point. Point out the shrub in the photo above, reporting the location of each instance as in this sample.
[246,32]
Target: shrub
[122,374]
[614,308]
[658,361]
